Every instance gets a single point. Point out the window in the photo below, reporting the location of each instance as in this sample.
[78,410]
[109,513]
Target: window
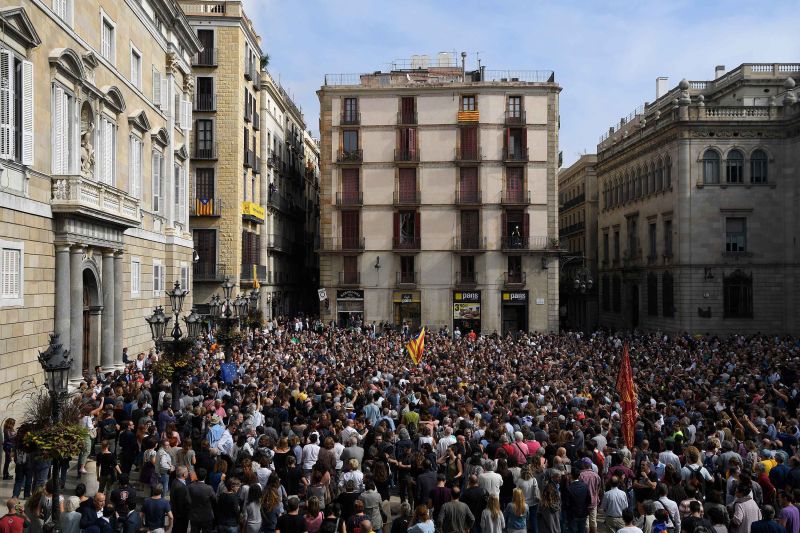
[135,166]
[106,150]
[633,238]
[711,166]
[63,8]
[668,238]
[204,135]
[12,273]
[616,245]
[758,167]
[652,294]
[180,193]
[667,295]
[737,295]
[468,103]
[16,108]
[467,263]
[514,266]
[616,294]
[606,258]
[64,131]
[350,114]
[408,110]
[514,107]
[606,296]
[184,276]
[668,173]
[349,141]
[407,269]
[734,167]
[205,244]
[107,37]
[159,279]
[136,273]
[469,143]
[136,67]
[652,234]
[157,182]
[735,234]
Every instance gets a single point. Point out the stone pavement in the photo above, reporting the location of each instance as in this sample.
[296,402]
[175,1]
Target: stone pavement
[89,479]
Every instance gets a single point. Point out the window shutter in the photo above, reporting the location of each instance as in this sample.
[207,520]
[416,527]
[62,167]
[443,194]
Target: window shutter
[165,94]
[108,154]
[137,168]
[188,115]
[6,104]
[58,130]
[504,225]
[69,10]
[526,225]
[156,87]
[163,279]
[156,205]
[27,113]
[396,227]
[132,167]
[417,227]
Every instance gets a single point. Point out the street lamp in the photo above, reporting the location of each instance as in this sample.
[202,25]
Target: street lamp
[225,314]
[240,305]
[56,363]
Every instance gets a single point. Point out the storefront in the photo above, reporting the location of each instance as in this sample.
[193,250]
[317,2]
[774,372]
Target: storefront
[467,311]
[349,307]
[514,311]
[407,309]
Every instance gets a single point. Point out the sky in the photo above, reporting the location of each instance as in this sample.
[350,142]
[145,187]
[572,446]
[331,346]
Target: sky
[606,54]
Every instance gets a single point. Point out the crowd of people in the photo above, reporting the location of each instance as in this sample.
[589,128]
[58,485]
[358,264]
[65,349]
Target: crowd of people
[320,429]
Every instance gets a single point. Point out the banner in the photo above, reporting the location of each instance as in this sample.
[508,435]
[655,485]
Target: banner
[416,346]
[627,397]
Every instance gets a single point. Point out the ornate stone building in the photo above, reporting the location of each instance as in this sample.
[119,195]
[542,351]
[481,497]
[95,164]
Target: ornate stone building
[697,223]
[94,113]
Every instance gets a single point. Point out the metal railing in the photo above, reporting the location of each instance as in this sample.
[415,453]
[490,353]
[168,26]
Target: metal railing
[514,279]
[278,242]
[247,272]
[468,155]
[208,271]
[572,228]
[515,197]
[406,243]
[408,118]
[406,155]
[468,197]
[257,166]
[344,244]
[205,151]
[205,102]
[407,278]
[407,197]
[515,117]
[469,242]
[349,279]
[257,81]
[351,156]
[350,118]
[248,114]
[526,76]
[466,279]
[515,155]
[572,202]
[278,201]
[349,198]
[205,58]
[206,207]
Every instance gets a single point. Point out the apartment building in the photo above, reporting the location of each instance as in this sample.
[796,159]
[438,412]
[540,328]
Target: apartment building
[439,197]
[577,212]
[227,209]
[94,142]
[288,254]
[697,221]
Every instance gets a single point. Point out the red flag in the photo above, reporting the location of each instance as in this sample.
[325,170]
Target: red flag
[627,397]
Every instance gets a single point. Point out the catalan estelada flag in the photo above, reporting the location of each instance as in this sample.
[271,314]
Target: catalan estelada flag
[416,346]
[627,397]
[204,206]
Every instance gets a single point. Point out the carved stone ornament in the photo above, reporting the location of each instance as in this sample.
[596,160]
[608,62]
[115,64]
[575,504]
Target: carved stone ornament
[188,84]
[173,62]
[87,148]
[61,190]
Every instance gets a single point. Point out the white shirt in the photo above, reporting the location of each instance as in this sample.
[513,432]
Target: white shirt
[491,482]
[310,455]
[225,443]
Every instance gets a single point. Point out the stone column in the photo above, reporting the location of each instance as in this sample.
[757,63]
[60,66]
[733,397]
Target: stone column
[107,355]
[119,308]
[76,310]
[62,303]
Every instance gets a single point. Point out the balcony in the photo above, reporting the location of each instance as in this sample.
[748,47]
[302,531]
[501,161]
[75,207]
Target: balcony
[349,199]
[571,229]
[278,243]
[249,158]
[76,195]
[516,155]
[277,278]
[247,272]
[515,118]
[256,81]
[407,118]
[407,198]
[403,155]
[469,243]
[514,279]
[468,198]
[249,72]
[274,161]
[515,197]
[205,102]
[468,155]
[256,121]
[350,118]
[349,279]
[466,279]
[257,166]
[208,271]
[407,279]
[205,58]
[346,244]
[350,156]
[253,212]
[276,201]
[534,243]
[573,202]
[206,207]
[406,243]
[206,151]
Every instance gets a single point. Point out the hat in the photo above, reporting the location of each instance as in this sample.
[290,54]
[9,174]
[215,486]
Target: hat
[348,406]
[215,419]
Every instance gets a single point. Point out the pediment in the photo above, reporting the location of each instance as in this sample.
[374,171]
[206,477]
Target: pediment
[114,98]
[160,136]
[138,119]
[181,153]
[69,62]
[16,22]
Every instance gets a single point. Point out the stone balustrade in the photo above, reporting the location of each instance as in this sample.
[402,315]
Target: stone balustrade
[84,196]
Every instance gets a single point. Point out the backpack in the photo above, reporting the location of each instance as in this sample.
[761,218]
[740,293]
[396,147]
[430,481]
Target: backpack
[109,431]
[696,473]
[381,472]
[710,463]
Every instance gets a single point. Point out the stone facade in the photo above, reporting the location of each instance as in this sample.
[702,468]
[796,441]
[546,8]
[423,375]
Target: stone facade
[697,222]
[422,221]
[577,186]
[79,214]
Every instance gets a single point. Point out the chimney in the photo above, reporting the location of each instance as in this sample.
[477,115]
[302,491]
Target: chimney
[661,86]
[719,70]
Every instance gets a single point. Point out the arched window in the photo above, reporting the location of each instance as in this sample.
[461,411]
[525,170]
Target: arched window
[758,167]
[734,167]
[659,179]
[711,166]
[668,173]
[660,174]
[638,185]
[651,179]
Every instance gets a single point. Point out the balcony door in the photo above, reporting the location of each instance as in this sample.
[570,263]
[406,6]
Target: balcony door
[407,183]
[470,229]
[514,185]
[350,229]
[350,185]
[204,133]
[205,244]
[469,142]
[468,184]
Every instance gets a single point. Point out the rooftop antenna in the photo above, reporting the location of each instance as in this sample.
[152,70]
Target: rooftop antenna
[478,55]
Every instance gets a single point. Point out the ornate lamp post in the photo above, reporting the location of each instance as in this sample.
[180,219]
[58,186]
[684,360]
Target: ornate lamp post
[178,347]
[225,315]
[56,363]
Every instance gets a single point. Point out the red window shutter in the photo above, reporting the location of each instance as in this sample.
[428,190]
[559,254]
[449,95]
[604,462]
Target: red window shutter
[469,142]
[407,109]
[412,143]
[403,146]
[408,184]
[396,228]
[350,185]
[526,225]
[417,228]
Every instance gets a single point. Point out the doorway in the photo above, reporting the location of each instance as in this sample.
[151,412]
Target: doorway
[87,327]
[92,311]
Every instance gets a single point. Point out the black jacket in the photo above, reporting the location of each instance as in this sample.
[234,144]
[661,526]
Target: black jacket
[179,500]
[202,500]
